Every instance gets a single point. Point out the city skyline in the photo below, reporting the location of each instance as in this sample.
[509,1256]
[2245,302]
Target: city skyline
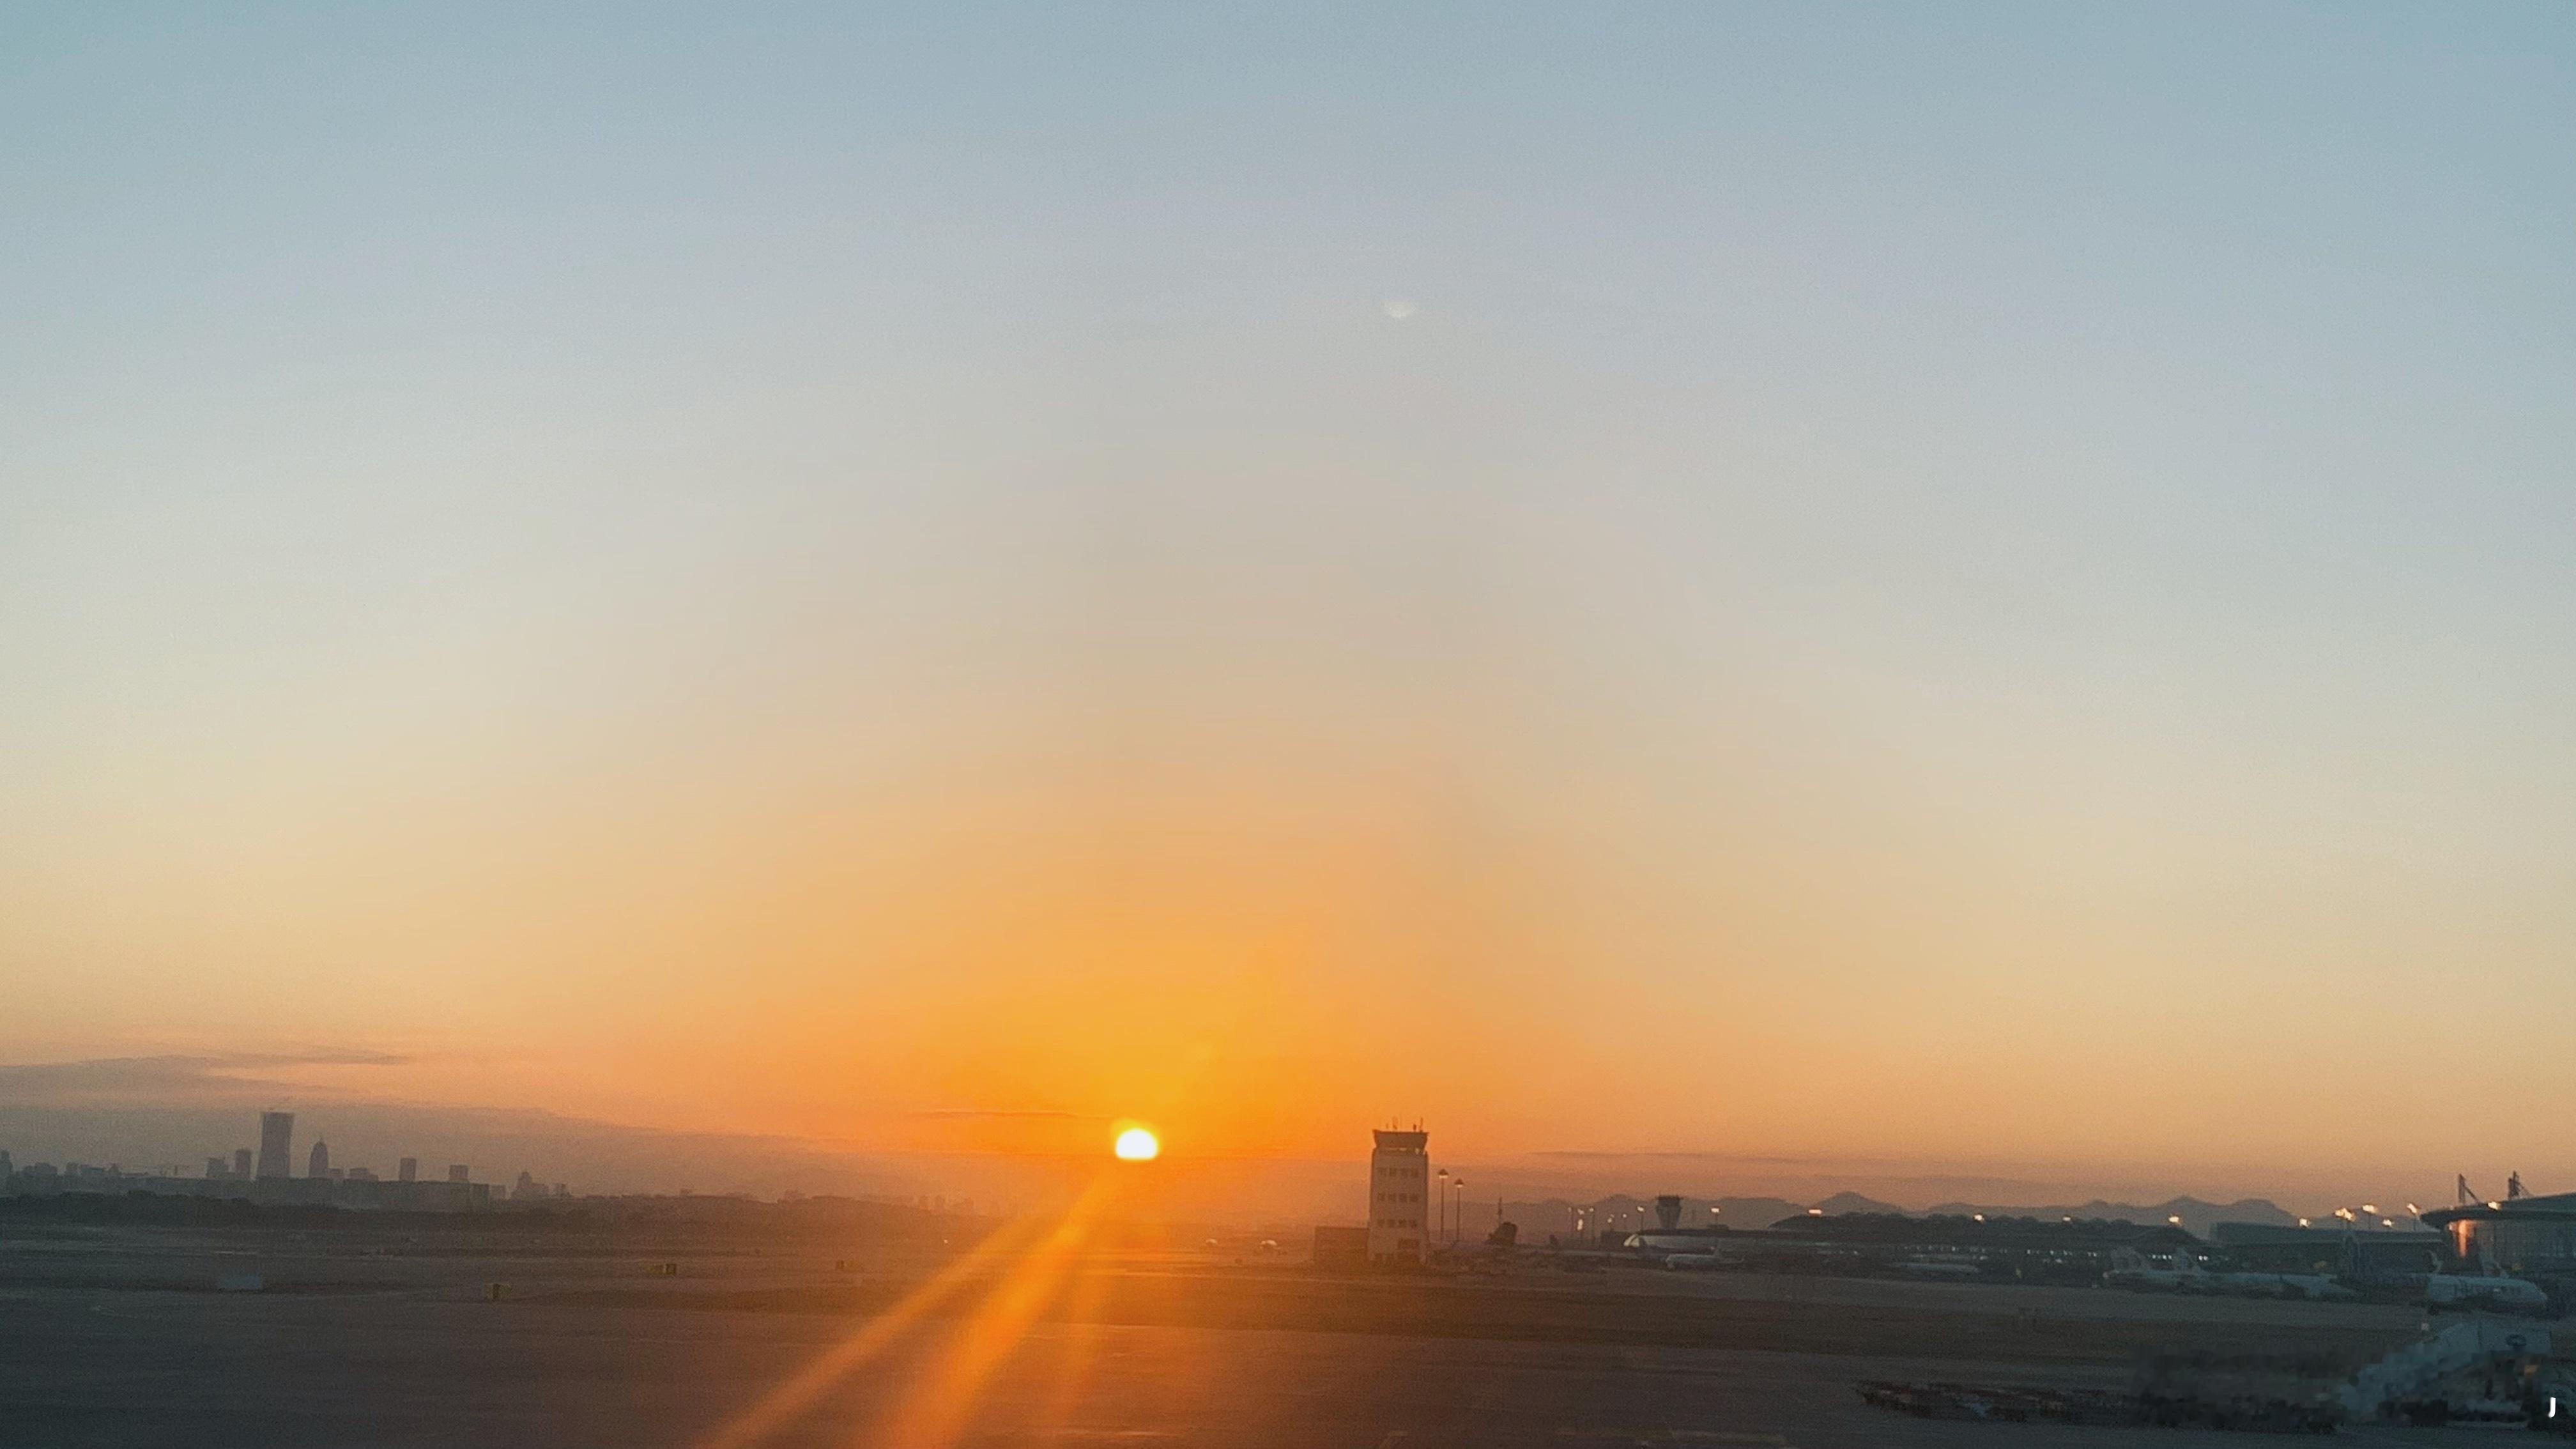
[1239,1191]
[1408,1205]
[273,1162]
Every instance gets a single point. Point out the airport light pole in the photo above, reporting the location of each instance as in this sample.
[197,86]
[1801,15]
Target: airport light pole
[1440,1211]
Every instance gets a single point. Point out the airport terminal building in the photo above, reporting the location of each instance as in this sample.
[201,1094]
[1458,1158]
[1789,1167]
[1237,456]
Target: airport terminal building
[2529,1237]
[2391,1259]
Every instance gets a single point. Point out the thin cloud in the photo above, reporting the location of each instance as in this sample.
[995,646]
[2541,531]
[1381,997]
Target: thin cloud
[951,1113]
[170,1077]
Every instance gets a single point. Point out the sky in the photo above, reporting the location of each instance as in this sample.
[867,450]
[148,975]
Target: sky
[1896,588]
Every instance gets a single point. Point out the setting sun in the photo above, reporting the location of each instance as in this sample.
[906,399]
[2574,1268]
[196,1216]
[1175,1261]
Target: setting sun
[1135,1144]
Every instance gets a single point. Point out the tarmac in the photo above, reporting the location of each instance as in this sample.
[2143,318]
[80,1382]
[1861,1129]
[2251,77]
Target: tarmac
[117,1343]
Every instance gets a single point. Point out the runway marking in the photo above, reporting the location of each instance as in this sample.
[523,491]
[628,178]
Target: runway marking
[1673,1437]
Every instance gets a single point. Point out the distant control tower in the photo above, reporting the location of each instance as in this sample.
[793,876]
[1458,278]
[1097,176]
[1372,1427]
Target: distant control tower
[276,1144]
[1399,1197]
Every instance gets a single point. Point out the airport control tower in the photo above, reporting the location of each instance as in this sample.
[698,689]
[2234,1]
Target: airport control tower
[276,1144]
[1399,1197]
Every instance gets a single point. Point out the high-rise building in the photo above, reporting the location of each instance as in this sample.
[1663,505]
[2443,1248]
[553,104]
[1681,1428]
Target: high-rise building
[408,1171]
[215,1169]
[1399,1196]
[276,1144]
[456,1172]
[319,1164]
[241,1163]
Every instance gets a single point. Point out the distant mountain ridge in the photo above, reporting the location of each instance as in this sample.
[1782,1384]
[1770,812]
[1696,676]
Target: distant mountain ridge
[1623,1212]
[2196,1217]
[1852,1202]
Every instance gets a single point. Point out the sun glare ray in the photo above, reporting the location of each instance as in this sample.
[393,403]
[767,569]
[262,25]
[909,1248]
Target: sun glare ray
[1083,1334]
[798,1393]
[941,1398]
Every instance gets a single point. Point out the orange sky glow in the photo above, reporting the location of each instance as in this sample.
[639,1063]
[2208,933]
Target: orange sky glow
[1862,607]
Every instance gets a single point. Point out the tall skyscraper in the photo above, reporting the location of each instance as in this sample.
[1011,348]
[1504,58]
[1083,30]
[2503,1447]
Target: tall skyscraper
[241,1162]
[409,1171]
[1399,1197]
[319,1164]
[215,1168]
[276,1144]
[456,1172]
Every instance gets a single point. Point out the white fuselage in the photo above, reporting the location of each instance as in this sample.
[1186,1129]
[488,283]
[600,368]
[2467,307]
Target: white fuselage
[2464,1292]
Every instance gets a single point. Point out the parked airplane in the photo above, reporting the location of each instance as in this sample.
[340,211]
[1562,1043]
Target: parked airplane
[1937,1269]
[2130,1269]
[2315,1287]
[1672,1240]
[2483,1292]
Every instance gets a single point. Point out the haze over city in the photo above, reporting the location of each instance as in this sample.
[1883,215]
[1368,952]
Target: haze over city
[1945,602]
